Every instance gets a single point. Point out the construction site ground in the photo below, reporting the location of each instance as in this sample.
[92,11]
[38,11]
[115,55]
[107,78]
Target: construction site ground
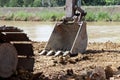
[69,68]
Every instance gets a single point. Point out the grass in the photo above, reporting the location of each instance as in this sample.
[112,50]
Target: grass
[50,16]
[54,16]
[40,16]
[102,16]
[90,16]
[116,17]
[21,16]
[9,16]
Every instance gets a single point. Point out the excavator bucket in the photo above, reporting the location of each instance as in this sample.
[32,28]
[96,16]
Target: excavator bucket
[68,37]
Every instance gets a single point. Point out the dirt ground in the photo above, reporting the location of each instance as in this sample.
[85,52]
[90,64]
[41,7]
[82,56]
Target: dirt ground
[104,55]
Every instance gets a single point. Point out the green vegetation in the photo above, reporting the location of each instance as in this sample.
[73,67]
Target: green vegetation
[55,16]
[21,16]
[100,2]
[102,16]
[116,17]
[90,16]
[41,16]
[50,16]
[31,3]
[52,3]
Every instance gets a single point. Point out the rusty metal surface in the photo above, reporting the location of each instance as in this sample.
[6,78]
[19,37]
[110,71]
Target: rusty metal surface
[24,48]
[10,29]
[81,39]
[26,63]
[3,38]
[68,37]
[16,36]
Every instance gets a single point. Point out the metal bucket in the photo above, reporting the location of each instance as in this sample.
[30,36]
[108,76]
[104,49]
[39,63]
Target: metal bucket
[68,37]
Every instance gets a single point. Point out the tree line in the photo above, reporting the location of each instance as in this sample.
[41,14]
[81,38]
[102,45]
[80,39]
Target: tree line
[100,2]
[31,3]
[53,3]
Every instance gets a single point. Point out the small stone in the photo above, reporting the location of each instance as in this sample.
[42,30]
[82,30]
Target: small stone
[85,58]
[109,72]
[62,60]
[54,64]
[112,78]
[72,61]
[103,50]
[70,72]
[92,66]
[118,68]
[36,76]
[98,74]
[67,57]
[55,61]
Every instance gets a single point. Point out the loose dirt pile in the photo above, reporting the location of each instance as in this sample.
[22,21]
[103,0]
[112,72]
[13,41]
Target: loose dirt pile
[101,60]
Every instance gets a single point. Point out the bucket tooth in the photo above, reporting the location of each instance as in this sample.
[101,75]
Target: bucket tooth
[58,53]
[66,53]
[68,37]
[50,53]
[43,52]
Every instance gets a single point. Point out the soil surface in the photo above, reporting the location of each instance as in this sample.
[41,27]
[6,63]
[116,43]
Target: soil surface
[81,67]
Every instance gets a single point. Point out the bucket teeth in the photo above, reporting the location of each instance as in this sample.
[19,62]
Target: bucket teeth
[66,53]
[43,52]
[58,53]
[50,53]
[71,36]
